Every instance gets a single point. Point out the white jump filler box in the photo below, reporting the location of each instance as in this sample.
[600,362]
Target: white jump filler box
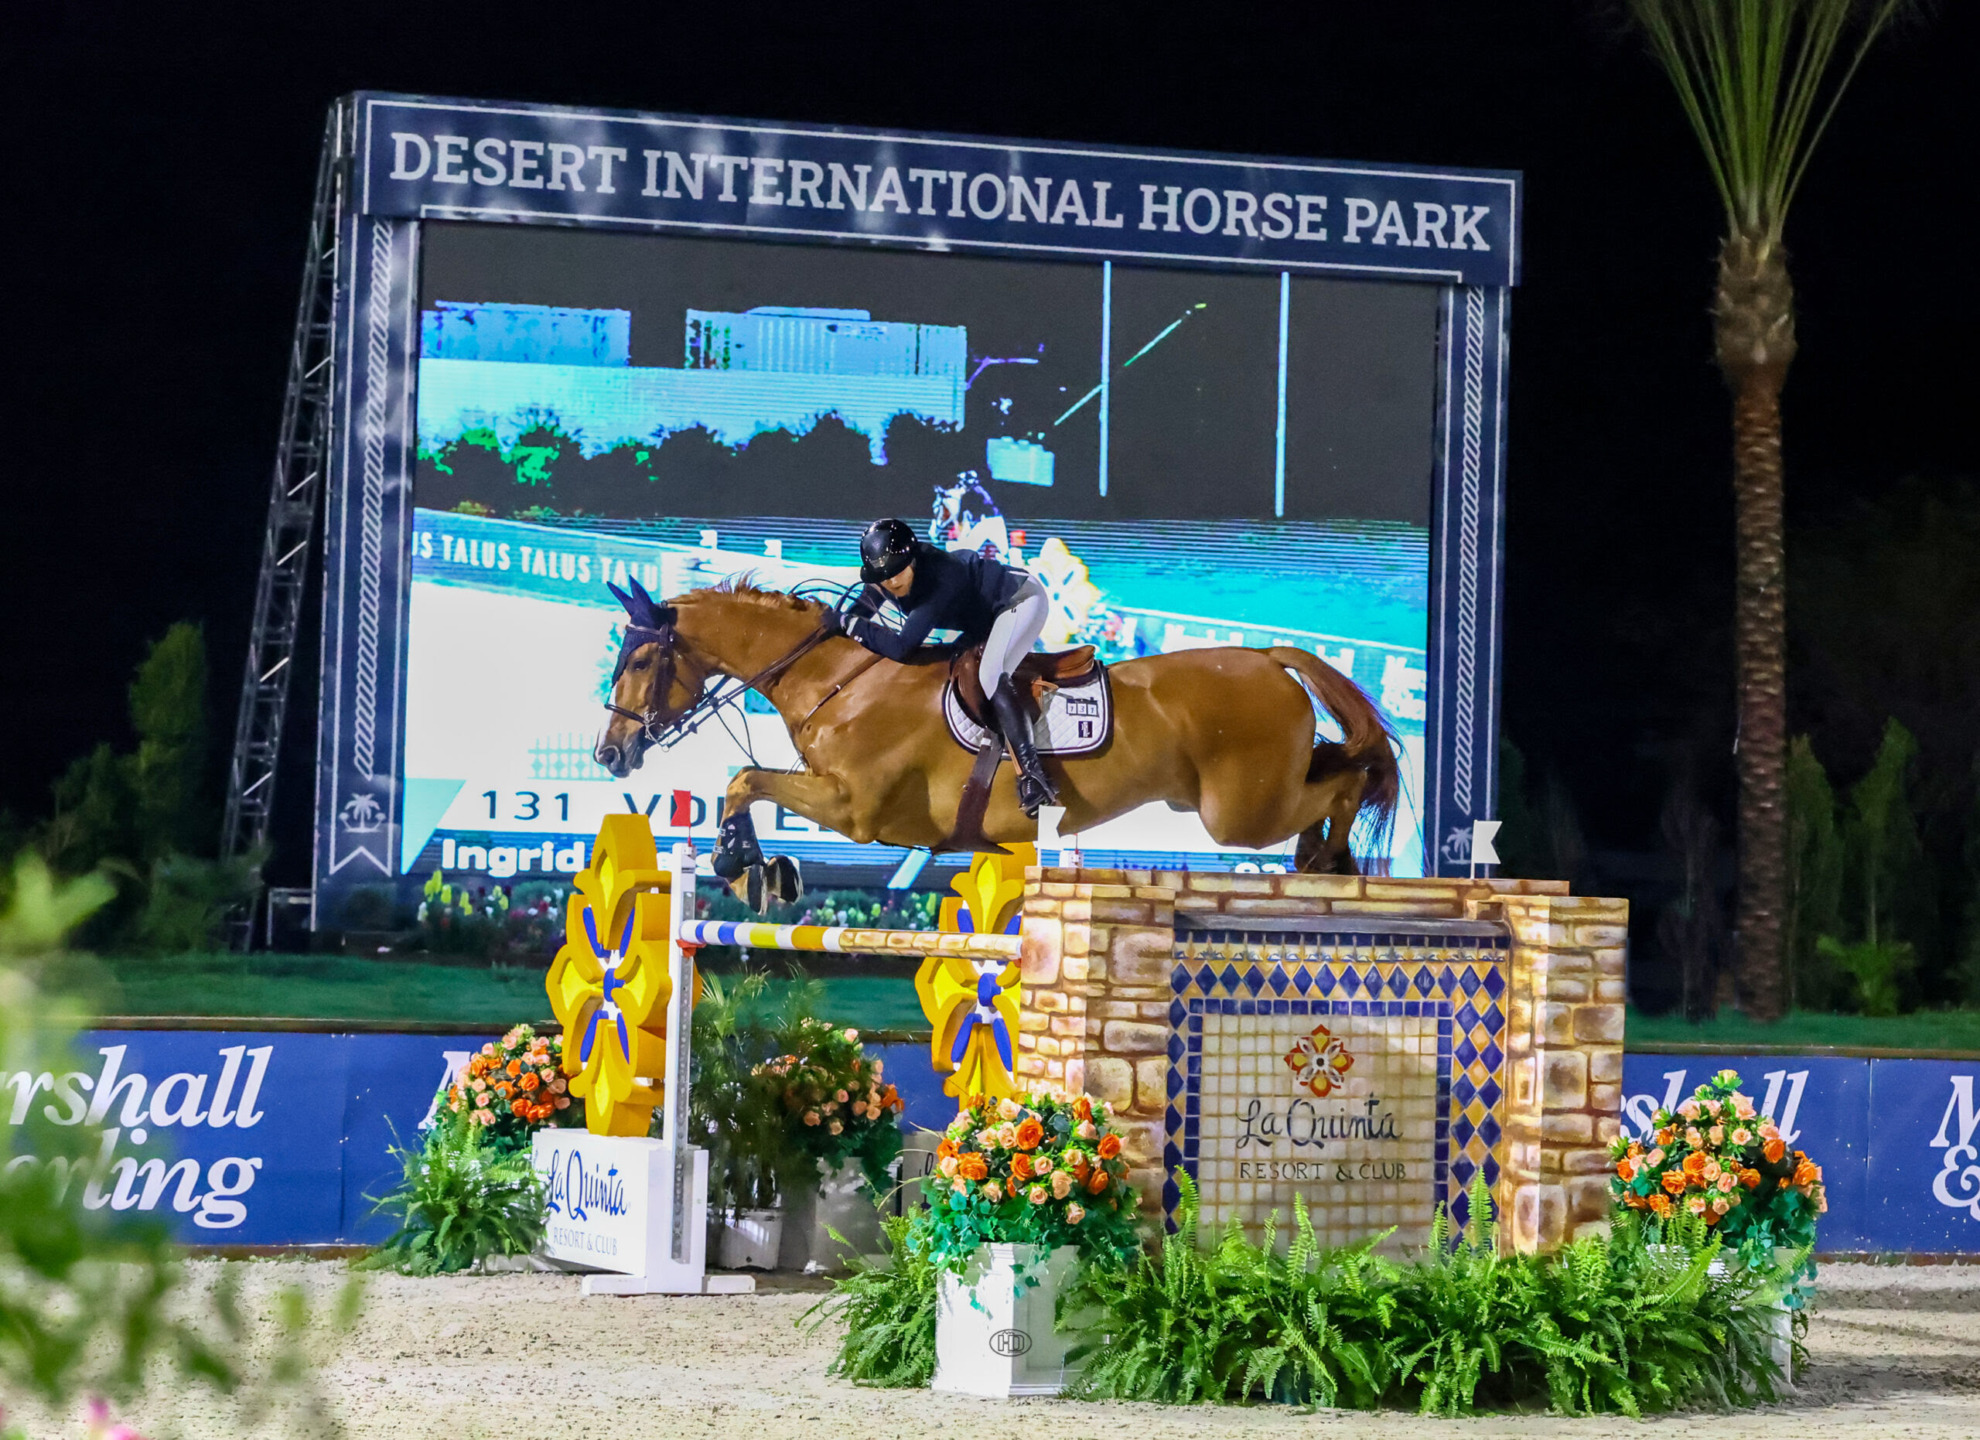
[633,1208]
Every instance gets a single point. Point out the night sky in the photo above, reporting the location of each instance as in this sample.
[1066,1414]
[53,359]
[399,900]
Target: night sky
[163,157]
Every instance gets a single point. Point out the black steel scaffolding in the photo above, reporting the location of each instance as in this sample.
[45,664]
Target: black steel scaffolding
[295,494]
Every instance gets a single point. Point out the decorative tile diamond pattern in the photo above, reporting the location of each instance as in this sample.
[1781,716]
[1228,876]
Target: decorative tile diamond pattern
[1409,1009]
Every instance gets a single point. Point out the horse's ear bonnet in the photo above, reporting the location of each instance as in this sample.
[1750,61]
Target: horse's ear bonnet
[642,609]
[647,617]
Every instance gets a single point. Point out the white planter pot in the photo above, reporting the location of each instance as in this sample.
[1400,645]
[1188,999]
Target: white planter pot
[842,1203]
[994,1335]
[1780,1339]
[748,1239]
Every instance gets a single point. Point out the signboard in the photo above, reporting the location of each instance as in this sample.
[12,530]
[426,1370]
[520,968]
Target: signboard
[1206,399]
[1898,1140]
[1362,1074]
[245,1138]
[611,1205]
[279,1138]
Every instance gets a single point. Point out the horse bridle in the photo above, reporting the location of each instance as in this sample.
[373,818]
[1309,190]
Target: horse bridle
[708,702]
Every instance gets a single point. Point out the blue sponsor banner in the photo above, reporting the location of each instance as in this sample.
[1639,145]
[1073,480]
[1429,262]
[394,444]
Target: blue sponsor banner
[244,1138]
[429,158]
[1896,1139]
[280,1138]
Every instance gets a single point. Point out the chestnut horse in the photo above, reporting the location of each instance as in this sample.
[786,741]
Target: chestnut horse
[1226,732]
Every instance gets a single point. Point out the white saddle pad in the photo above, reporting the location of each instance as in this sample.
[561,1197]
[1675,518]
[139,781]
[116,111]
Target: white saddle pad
[1076,719]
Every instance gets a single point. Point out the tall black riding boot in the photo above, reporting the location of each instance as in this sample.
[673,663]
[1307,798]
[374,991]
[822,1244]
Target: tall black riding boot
[1033,786]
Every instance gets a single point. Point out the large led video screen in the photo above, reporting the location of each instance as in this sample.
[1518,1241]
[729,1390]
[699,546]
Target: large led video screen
[1184,456]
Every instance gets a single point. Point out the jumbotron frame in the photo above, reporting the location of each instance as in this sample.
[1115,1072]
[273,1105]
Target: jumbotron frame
[347,440]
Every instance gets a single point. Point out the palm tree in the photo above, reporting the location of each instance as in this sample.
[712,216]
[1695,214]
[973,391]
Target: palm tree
[1759,81]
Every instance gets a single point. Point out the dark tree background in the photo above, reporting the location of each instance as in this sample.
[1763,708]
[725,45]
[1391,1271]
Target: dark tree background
[163,158]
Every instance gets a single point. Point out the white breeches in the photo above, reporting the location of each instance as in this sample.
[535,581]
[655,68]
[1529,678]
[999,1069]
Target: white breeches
[1015,631]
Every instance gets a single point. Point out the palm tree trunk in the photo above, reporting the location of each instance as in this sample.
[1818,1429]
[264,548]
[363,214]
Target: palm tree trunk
[1755,333]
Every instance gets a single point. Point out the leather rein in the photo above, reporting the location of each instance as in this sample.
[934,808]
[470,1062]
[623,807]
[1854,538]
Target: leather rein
[708,702]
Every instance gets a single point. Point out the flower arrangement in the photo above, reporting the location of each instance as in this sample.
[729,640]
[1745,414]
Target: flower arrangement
[835,1100]
[1037,1169]
[513,1087]
[1716,1158]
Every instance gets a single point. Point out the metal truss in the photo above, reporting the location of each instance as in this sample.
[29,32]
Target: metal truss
[301,455]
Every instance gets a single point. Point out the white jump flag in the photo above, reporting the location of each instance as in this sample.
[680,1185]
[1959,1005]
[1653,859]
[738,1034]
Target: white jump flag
[1049,817]
[1483,832]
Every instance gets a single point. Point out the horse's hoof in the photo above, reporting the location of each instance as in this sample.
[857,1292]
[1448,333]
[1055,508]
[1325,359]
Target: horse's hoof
[748,887]
[782,880]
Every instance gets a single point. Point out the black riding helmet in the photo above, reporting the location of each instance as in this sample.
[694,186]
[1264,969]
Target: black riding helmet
[886,549]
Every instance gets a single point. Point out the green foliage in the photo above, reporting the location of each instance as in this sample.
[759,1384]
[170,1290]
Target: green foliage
[1814,874]
[92,1299]
[1715,1158]
[1887,888]
[168,711]
[834,1101]
[1885,591]
[1753,77]
[912,910]
[92,806]
[1184,1324]
[1034,1169]
[753,1158]
[1875,969]
[456,921]
[888,1309]
[143,817]
[1629,1323]
[1880,837]
[187,900]
[459,1200]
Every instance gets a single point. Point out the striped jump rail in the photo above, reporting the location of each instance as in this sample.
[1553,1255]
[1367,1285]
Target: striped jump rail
[847,940]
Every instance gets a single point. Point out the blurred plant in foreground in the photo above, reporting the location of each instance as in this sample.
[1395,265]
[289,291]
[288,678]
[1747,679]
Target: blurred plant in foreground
[94,1302]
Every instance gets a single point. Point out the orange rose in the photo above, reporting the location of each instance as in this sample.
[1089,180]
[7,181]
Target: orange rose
[1666,1135]
[1674,1181]
[972,1166]
[1083,1108]
[1806,1173]
[1694,1164]
[515,1067]
[1030,1133]
[1659,1206]
[1020,1166]
[530,1082]
[1774,1149]
[1749,1178]
[1110,1146]
[1097,1182]
[517,1107]
[1625,1171]
[947,1148]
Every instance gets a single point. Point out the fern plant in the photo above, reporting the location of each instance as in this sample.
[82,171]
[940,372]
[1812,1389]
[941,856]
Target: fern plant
[1238,1321]
[888,1310]
[459,1200]
[1631,1323]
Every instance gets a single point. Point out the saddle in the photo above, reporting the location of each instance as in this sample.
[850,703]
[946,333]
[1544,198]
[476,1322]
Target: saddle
[1036,675]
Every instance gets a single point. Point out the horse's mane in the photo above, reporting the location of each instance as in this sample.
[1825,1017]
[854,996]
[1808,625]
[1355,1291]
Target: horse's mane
[744,587]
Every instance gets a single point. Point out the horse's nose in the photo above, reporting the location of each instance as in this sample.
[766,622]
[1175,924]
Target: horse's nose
[608,755]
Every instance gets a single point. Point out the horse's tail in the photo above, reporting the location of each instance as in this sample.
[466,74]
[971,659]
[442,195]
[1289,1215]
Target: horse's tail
[1367,743]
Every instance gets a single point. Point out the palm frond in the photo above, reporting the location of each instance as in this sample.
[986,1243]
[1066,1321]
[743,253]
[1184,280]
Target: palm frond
[1758,81]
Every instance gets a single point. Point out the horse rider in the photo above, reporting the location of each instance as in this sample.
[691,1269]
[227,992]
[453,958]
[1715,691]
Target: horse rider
[998,606]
